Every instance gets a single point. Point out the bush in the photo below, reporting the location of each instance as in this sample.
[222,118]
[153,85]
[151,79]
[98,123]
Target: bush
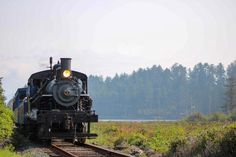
[6,117]
[228,142]
[110,130]
[216,117]
[164,137]
[136,139]
[120,143]
[6,122]
[232,116]
[8,153]
[196,117]
[211,143]
[6,127]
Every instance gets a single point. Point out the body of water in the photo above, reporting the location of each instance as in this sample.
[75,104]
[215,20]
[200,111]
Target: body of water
[136,120]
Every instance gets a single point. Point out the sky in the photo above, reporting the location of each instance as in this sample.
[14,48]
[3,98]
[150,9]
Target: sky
[105,37]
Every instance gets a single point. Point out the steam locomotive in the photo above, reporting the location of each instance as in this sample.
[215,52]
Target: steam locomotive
[55,104]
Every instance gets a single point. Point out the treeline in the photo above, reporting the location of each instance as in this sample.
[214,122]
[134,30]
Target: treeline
[170,93]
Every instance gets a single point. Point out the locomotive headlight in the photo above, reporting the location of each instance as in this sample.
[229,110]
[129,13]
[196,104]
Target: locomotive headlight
[66,73]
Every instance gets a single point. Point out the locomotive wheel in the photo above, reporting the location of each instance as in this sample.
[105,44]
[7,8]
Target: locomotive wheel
[77,141]
[81,129]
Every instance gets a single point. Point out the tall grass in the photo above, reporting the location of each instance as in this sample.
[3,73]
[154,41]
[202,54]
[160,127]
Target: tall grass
[8,153]
[167,138]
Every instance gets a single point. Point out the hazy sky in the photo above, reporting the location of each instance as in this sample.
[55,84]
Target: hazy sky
[105,37]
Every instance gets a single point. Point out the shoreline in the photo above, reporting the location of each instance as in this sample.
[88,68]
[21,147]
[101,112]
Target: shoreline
[136,120]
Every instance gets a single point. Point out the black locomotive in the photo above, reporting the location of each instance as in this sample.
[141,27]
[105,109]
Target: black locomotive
[55,104]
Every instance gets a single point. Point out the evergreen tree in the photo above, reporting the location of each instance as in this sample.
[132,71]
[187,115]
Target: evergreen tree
[180,89]
[231,70]
[230,93]
[219,90]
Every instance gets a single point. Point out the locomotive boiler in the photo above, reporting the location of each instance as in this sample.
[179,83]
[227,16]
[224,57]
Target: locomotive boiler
[55,104]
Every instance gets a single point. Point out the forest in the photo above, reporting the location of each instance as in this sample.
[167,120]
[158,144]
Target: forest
[165,93]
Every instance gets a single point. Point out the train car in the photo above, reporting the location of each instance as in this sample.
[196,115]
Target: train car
[20,102]
[55,104]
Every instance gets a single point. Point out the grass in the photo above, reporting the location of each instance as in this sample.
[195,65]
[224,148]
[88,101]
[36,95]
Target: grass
[8,153]
[162,137]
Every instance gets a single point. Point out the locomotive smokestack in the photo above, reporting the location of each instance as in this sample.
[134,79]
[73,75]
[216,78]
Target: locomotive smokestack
[65,64]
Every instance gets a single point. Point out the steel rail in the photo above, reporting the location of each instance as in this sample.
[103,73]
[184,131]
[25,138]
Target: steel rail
[67,149]
[62,151]
[107,152]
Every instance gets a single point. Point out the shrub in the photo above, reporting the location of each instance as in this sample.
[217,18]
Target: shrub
[8,153]
[164,137]
[177,144]
[6,117]
[110,130]
[228,142]
[214,117]
[6,122]
[196,117]
[136,139]
[215,142]
[232,116]
[120,143]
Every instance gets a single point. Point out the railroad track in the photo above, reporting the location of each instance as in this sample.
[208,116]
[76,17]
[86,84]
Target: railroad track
[67,149]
